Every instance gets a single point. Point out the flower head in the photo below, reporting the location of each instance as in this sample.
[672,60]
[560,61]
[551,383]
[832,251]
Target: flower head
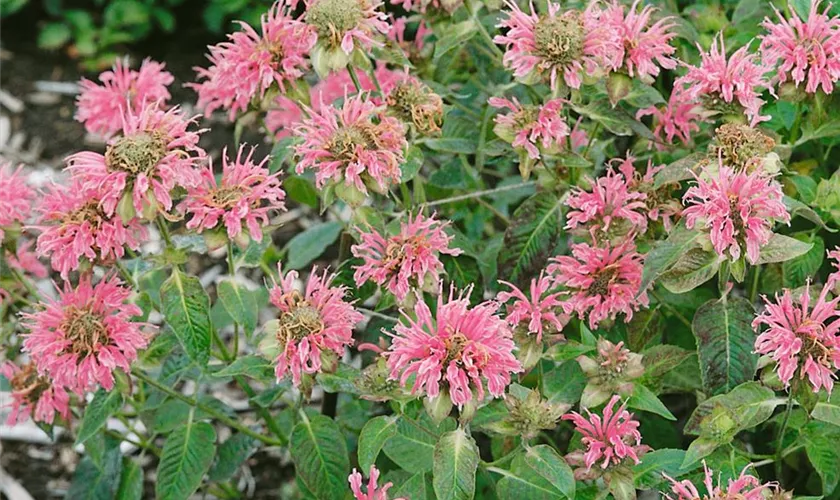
[461,346]
[731,86]
[601,281]
[738,208]
[102,106]
[746,487]
[405,261]
[413,102]
[643,47]
[15,196]
[802,337]
[557,46]
[422,5]
[374,492]
[313,326]
[531,127]
[678,119]
[81,338]
[246,66]
[611,371]
[740,146]
[659,203]
[539,311]
[74,226]
[34,395]
[341,26]
[356,143]
[611,207]
[247,193]
[611,438]
[808,50]
[154,154]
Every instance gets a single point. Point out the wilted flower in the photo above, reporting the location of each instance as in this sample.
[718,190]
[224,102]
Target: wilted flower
[461,346]
[730,86]
[413,102]
[802,337]
[601,281]
[611,207]
[374,492]
[679,118]
[246,66]
[529,416]
[739,146]
[34,395]
[15,197]
[531,127]
[343,25]
[643,47]
[559,47]
[356,143]
[73,226]
[539,311]
[611,371]
[81,338]
[154,154]
[407,260]
[739,209]
[314,327]
[247,193]
[746,487]
[807,49]
[102,106]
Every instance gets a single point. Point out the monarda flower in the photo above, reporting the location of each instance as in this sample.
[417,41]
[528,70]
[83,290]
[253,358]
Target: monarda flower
[611,440]
[460,347]
[247,193]
[738,208]
[154,154]
[34,395]
[801,337]
[678,119]
[249,64]
[740,147]
[409,260]
[611,371]
[730,86]
[15,197]
[313,328]
[531,128]
[601,282]
[808,50]
[611,208]
[643,47]
[74,226]
[659,203]
[421,6]
[413,102]
[81,338]
[342,26]
[374,491]
[558,47]
[102,106]
[745,487]
[356,145]
[25,260]
[539,311]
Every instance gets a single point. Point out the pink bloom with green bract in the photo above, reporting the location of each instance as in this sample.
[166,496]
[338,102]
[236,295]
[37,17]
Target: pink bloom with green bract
[678,119]
[34,395]
[247,193]
[15,196]
[532,126]
[802,336]
[79,339]
[536,309]
[738,208]
[374,491]
[611,203]
[644,47]
[460,347]
[347,24]
[102,106]
[407,261]
[745,487]
[611,438]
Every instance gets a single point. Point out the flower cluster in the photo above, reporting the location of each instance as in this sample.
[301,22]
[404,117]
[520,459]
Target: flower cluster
[746,487]
[15,197]
[611,371]
[644,48]
[612,208]
[538,311]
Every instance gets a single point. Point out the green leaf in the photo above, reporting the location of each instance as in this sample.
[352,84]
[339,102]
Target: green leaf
[801,7]
[252,366]
[232,454]
[301,190]
[373,436]
[343,380]
[104,404]
[456,460]
[648,473]
[310,244]
[457,35]
[798,209]
[612,119]
[699,449]
[666,253]
[239,303]
[693,268]
[821,447]
[413,487]
[413,447]
[131,481]
[97,483]
[413,163]
[564,384]
[745,407]
[186,456]
[54,36]
[795,272]
[679,170]
[644,399]
[828,411]
[661,359]
[523,482]
[826,128]
[552,467]
[531,236]
[186,308]
[568,350]
[725,340]
[319,451]
[643,96]
[453,145]
[781,248]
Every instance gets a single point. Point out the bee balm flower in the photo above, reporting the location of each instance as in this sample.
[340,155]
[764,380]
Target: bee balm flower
[531,127]
[643,47]
[15,197]
[537,312]
[746,487]
[374,492]
[34,395]
[678,119]
[611,207]
[343,25]
[413,102]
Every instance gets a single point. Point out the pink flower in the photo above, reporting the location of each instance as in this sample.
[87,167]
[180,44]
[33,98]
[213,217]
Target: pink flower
[154,154]
[643,48]
[472,345]
[374,492]
[101,107]
[611,205]
[405,261]
[74,226]
[679,118]
[558,46]
[601,281]
[738,208]
[247,193]
[658,202]
[25,260]
[613,438]
[807,49]
[801,336]
[746,487]
[81,338]
[313,326]
[34,395]
[346,24]
[246,66]
[397,33]
[15,196]
[529,126]
[355,143]
[538,309]
[720,82]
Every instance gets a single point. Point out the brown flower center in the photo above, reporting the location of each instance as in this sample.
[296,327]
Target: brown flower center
[89,212]
[343,143]
[300,321]
[602,281]
[454,344]
[739,145]
[333,18]
[812,347]
[414,102]
[85,330]
[137,153]
[227,197]
[559,39]
[28,383]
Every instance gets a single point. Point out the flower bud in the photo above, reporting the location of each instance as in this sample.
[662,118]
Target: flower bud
[439,407]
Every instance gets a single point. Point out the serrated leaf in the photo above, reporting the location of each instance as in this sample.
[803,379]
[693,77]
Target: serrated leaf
[104,404]
[645,327]
[186,308]
[413,487]
[131,481]
[455,145]
[601,112]
[828,411]
[232,453]
[239,303]
[531,236]
[522,482]
[644,399]
[666,253]
[699,449]
[186,456]
[798,209]
[677,171]
[693,268]
[564,384]
[413,447]
[301,190]
[781,248]
[319,451]
[373,436]
[745,407]
[97,483]
[821,447]
[252,366]
[552,467]
[725,340]
[456,461]
[795,272]
[661,359]
[310,244]
[648,473]
[456,36]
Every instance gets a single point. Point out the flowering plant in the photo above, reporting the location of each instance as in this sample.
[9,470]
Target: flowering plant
[471,250]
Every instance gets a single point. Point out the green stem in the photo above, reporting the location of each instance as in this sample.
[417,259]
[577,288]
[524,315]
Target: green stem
[780,437]
[754,287]
[354,77]
[164,230]
[477,194]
